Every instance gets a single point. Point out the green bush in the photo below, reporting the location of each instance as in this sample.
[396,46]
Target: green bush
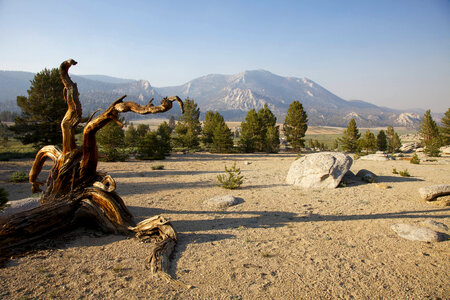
[404,173]
[415,159]
[19,176]
[232,180]
[3,198]
[394,171]
[158,167]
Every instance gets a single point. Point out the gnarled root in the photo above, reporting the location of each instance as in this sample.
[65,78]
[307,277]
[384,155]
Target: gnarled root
[159,229]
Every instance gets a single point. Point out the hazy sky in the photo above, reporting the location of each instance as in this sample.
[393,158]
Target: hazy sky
[390,53]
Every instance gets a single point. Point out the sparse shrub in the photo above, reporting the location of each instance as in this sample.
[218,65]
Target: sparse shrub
[404,173]
[158,167]
[233,179]
[415,159]
[298,155]
[19,176]
[3,198]
[394,171]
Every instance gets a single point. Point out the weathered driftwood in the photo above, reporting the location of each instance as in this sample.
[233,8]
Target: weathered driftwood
[76,192]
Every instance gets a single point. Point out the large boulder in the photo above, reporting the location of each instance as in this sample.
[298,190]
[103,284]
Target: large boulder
[319,170]
[431,192]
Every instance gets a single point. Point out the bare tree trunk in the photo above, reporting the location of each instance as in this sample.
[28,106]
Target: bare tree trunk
[76,191]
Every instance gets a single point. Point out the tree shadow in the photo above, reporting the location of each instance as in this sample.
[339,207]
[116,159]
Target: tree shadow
[142,188]
[158,173]
[190,231]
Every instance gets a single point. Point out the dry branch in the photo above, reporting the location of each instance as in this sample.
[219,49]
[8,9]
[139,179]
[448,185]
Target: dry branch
[76,192]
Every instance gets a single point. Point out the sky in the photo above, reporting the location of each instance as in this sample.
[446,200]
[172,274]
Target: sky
[390,53]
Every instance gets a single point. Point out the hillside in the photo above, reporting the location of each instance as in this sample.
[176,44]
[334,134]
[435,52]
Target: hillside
[232,95]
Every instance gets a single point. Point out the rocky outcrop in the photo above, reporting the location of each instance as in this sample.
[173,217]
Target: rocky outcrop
[431,192]
[319,170]
[379,156]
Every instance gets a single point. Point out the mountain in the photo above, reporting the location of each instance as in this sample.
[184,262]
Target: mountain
[96,91]
[232,95]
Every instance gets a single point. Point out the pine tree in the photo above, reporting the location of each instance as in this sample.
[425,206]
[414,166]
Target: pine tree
[250,132]
[222,138]
[164,138]
[111,141]
[393,140]
[381,141]
[269,131]
[429,133]
[259,132]
[445,128]
[212,120]
[42,111]
[189,126]
[295,125]
[368,142]
[351,135]
[272,141]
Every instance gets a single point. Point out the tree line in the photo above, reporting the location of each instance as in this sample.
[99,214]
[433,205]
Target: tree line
[432,137]
[44,108]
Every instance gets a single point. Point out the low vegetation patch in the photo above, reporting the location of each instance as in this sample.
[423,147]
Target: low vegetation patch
[415,159]
[19,176]
[394,171]
[158,167]
[232,179]
[404,173]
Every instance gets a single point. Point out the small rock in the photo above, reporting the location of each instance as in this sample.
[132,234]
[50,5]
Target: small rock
[431,192]
[435,225]
[382,186]
[222,201]
[414,233]
[366,175]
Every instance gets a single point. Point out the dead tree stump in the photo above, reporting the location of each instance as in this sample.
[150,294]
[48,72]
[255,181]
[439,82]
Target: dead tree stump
[76,191]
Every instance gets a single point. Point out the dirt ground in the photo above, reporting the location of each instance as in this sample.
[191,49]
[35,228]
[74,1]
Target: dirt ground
[280,242]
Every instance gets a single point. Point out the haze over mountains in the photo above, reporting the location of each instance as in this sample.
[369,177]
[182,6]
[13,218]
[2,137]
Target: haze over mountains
[231,95]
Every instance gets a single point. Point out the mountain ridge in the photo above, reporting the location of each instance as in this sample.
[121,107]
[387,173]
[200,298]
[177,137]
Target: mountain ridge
[232,95]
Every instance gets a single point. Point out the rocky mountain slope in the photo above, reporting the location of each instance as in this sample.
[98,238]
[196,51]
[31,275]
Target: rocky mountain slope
[232,95]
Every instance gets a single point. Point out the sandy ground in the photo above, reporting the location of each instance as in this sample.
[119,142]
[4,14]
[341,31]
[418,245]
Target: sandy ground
[281,242]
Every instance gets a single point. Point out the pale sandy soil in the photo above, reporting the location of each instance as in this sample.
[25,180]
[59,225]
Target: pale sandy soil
[281,242]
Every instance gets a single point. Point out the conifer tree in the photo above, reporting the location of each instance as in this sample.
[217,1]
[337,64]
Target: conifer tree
[42,111]
[250,132]
[368,142]
[351,135]
[269,131]
[445,128]
[429,133]
[212,120]
[222,138]
[382,141]
[295,125]
[111,141]
[163,134]
[189,126]
[393,140]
